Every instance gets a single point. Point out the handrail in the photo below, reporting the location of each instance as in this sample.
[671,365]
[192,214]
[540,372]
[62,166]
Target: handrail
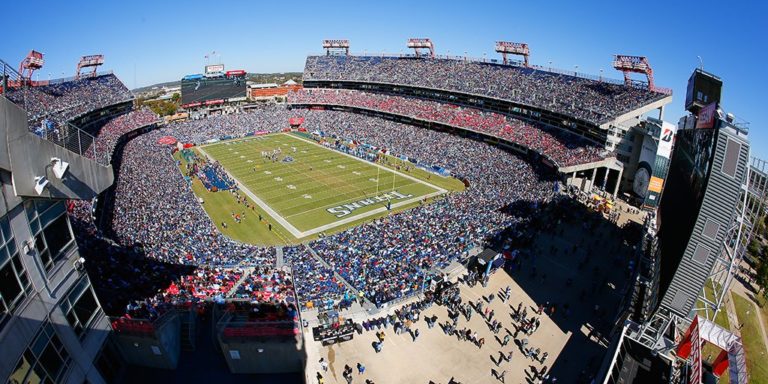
[75,140]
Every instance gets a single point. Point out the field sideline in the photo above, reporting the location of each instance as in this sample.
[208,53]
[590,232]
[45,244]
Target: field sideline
[309,189]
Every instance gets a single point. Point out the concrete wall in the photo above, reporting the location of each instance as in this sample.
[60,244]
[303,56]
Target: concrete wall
[264,357]
[160,350]
[28,156]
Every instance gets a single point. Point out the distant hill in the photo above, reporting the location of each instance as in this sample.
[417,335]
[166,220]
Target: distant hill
[278,78]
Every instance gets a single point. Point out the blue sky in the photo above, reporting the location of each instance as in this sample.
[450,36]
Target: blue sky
[148,42]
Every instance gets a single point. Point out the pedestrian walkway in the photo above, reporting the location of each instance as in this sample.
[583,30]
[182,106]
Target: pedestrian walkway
[279,262]
[448,356]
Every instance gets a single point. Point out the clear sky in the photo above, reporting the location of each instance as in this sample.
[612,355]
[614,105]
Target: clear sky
[146,42]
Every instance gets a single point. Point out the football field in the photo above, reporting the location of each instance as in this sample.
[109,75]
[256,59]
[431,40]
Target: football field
[308,188]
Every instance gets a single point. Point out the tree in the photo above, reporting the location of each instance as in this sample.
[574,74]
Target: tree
[761,276]
[175,98]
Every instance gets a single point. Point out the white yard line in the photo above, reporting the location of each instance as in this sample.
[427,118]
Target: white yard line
[299,234]
[375,164]
[295,232]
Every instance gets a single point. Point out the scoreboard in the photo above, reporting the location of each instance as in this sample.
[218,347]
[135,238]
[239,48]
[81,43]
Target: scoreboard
[216,85]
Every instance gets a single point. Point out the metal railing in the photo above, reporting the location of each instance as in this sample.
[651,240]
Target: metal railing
[10,77]
[76,140]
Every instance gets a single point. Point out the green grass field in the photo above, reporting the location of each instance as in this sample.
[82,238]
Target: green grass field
[319,191]
[752,339]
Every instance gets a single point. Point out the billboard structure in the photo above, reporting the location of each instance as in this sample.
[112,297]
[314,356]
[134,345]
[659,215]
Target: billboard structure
[214,69]
[653,164]
[216,86]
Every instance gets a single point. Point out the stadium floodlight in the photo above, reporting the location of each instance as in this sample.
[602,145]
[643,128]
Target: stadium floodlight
[41,182]
[59,167]
[30,64]
[634,64]
[508,47]
[336,46]
[419,44]
[89,61]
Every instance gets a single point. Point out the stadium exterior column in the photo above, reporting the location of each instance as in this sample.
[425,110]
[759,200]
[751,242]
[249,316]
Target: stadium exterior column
[618,182]
[592,179]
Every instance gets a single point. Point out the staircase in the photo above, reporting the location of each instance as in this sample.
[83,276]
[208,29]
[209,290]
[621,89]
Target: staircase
[279,262]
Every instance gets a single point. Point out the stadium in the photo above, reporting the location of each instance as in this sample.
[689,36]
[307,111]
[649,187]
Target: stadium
[387,194]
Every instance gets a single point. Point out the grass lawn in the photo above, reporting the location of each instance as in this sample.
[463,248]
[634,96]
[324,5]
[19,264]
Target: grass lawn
[312,193]
[757,356]
[722,317]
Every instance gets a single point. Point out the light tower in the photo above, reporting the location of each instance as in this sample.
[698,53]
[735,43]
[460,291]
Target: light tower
[336,47]
[419,45]
[507,47]
[637,64]
[89,61]
[30,64]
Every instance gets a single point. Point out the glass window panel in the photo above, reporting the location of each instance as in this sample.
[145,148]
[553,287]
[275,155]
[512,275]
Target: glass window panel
[5,228]
[44,204]
[86,306]
[4,256]
[11,247]
[39,243]
[10,289]
[34,226]
[51,360]
[50,216]
[20,372]
[57,235]
[40,344]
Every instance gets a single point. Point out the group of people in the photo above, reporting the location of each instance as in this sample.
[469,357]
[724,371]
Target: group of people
[386,259]
[317,285]
[592,100]
[62,101]
[110,133]
[154,213]
[562,148]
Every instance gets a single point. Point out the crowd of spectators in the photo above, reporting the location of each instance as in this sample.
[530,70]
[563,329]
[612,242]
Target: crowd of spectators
[109,134]
[590,100]
[266,285]
[563,148]
[316,284]
[61,102]
[155,213]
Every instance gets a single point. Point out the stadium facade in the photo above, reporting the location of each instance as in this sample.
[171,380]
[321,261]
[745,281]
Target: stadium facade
[691,247]
[52,326]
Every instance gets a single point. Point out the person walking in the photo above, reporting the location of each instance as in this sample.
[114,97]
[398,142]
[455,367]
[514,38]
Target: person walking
[323,364]
[360,368]
[505,341]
